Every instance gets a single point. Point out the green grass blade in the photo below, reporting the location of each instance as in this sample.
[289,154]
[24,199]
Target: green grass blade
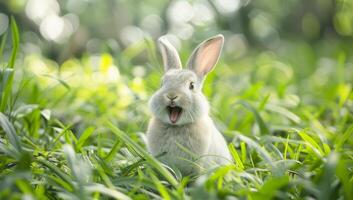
[271,187]
[107,191]
[24,186]
[102,170]
[2,44]
[260,122]
[59,182]
[62,132]
[62,82]
[243,151]
[144,154]
[313,144]
[112,152]
[259,149]
[15,42]
[284,112]
[6,78]
[236,157]
[161,188]
[83,138]
[286,148]
[10,132]
[264,102]
[341,140]
[57,171]
[10,151]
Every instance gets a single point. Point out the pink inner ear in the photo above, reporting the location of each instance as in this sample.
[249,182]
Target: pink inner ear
[208,56]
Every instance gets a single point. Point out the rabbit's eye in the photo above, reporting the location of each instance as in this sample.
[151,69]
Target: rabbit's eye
[191,86]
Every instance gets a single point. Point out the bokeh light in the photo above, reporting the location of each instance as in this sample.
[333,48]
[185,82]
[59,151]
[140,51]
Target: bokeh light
[4,23]
[228,7]
[37,10]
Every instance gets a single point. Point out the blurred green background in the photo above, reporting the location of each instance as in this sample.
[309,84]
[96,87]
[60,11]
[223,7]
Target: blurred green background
[281,94]
[293,46]
[62,29]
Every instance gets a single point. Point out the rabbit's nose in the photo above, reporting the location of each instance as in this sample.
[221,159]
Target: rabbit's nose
[171,97]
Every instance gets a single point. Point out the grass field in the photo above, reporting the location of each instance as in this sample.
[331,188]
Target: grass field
[75,131]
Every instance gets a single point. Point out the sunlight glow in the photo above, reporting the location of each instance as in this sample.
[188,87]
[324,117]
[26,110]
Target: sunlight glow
[131,34]
[152,24]
[180,12]
[227,6]
[37,65]
[52,27]
[37,10]
[139,71]
[203,14]
[113,73]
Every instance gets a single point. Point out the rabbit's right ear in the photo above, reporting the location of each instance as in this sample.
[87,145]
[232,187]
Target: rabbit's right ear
[206,55]
[170,55]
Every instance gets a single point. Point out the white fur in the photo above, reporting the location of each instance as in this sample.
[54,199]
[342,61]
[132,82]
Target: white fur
[192,143]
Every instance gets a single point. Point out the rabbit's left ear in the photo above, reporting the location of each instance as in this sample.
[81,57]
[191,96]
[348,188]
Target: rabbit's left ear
[170,55]
[206,55]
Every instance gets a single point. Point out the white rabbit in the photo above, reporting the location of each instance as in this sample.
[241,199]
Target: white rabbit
[181,132]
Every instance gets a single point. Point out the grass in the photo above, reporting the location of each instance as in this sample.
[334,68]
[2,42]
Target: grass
[76,131]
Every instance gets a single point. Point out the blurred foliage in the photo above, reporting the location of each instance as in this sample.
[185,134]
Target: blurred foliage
[62,29]
[281,94]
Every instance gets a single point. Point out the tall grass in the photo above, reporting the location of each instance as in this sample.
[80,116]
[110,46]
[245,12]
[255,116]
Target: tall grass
[74,134]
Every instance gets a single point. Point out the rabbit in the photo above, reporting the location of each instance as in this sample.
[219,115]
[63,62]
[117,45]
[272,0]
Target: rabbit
[181,133]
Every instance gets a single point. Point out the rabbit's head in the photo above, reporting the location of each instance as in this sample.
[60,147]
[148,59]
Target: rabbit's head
[179,100]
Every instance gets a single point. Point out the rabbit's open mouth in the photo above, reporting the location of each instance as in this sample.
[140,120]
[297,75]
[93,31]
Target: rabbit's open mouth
[174,113]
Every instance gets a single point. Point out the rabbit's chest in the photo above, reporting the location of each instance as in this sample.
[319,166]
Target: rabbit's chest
[183,142]
[181,148]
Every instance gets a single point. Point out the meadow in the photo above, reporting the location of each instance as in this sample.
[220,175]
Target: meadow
[74,130]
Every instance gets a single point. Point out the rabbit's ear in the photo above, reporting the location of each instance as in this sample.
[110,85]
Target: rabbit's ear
[170,55]
[206,55]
